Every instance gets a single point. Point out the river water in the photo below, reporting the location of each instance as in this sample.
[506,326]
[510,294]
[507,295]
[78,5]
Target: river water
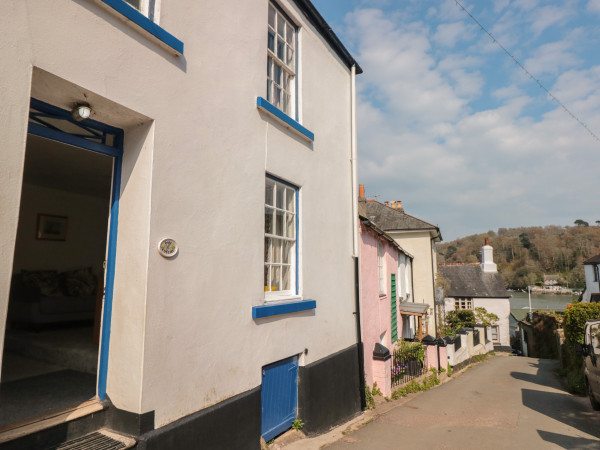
[520,300]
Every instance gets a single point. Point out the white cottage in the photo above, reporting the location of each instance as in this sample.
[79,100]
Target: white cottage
[480,286]
[167,263]
[591,268]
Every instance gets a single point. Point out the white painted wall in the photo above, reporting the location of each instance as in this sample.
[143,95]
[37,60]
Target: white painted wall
[418,244]
[591,286]
[498,306]
[196,154]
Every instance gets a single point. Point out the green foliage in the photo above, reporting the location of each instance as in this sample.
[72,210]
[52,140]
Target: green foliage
[581,223]
[297,424]
[449,370]
[407,349]
[576,315]
[460,318]
[544,328]
[369,400]
[525,254]
[571,368]
[376,390]
[485,318]
[414,386]
[479,358]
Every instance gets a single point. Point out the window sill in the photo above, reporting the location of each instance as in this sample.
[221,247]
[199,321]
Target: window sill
[147,25]
[284,119]
[276,309]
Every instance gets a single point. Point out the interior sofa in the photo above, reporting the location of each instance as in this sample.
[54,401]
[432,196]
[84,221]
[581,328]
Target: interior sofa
[45,297]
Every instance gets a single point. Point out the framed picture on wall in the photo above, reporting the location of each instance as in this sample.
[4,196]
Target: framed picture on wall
[51,228]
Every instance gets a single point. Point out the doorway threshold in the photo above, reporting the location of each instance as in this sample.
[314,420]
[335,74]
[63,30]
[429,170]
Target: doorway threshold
[31,426]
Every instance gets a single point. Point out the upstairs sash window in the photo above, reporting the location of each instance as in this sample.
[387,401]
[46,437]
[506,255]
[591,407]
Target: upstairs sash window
[281,57]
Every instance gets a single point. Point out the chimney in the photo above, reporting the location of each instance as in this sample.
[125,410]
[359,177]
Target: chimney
[361,190]
[487,258]
[387,203]
[398,204]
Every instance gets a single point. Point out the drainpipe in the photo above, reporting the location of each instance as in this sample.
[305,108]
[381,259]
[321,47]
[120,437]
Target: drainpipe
[355,247]
[433,278]
[353,161]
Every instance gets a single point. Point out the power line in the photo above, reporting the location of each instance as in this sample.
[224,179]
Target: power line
[518,63]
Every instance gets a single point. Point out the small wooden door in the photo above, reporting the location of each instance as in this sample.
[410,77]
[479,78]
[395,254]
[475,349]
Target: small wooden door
[279,397]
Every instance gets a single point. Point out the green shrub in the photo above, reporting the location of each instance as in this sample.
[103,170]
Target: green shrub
[460,318]
[449,370]
[297,424]
[576,315]
[376,391]
[576,381]
[571,368]
[369,400]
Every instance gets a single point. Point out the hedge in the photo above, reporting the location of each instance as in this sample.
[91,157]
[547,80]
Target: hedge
[576,315]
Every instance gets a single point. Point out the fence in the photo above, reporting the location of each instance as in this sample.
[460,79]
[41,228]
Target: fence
[407,364]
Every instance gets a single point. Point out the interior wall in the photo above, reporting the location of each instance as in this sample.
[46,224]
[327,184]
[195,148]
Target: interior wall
[86,233]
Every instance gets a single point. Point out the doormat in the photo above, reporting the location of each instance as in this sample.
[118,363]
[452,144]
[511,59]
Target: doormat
[33,397]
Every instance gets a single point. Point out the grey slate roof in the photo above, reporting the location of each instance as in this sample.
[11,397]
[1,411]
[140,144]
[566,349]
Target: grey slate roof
[593,260]
[390,219]
[470,281]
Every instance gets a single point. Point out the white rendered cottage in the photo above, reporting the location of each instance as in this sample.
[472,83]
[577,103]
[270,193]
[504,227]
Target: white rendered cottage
[591,268]
[164,170]
[480,285]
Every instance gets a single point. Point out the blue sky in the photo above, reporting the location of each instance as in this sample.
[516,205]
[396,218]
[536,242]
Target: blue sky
[450,125]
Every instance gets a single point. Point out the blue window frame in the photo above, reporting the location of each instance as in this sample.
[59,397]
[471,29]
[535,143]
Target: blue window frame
[145,23]
[281,239]
[57,124]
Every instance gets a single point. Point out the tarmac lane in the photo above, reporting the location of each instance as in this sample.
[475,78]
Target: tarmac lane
[503,403]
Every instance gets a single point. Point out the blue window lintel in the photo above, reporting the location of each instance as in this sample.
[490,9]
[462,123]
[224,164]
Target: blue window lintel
[284,119]
[145,23]
[276,309]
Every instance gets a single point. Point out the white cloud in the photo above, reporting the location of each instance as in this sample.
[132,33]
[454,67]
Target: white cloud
[593,6]
[448,34]
[472,168]
[552,58]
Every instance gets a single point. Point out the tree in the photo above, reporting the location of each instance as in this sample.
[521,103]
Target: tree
[598,223]
[485,318]
[581,223]
[451,250]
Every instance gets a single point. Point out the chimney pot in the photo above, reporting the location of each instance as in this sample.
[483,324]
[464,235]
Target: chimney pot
[361,190]
[387,203]
[398,204]
[487,241]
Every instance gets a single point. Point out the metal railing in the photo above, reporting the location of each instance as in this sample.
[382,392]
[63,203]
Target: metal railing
[406,366]
[476,339]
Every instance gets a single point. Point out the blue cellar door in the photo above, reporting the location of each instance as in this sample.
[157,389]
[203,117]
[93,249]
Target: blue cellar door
[279,397]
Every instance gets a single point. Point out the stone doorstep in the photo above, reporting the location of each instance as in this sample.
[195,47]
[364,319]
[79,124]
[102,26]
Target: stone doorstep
[382,406]
[14,431]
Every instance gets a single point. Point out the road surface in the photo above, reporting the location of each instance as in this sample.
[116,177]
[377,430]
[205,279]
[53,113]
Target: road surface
[502,403]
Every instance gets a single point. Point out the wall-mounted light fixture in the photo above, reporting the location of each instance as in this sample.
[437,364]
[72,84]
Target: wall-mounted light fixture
[81,111]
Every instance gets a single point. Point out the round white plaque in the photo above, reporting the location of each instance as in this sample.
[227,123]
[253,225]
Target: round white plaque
[168,248]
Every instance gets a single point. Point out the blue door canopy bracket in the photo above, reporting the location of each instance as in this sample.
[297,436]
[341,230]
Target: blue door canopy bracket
[284,119]
[276,309]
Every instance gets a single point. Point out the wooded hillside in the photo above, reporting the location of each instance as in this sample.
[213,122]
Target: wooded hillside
[525,255]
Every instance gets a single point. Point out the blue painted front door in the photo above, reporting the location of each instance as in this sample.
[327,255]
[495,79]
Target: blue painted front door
[279,397]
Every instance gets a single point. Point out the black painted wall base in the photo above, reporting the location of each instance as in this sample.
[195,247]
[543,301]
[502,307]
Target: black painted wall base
[230,424]
[328,394]
[329,391]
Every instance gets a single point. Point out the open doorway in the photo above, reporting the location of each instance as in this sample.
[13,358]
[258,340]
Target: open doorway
[50,358]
